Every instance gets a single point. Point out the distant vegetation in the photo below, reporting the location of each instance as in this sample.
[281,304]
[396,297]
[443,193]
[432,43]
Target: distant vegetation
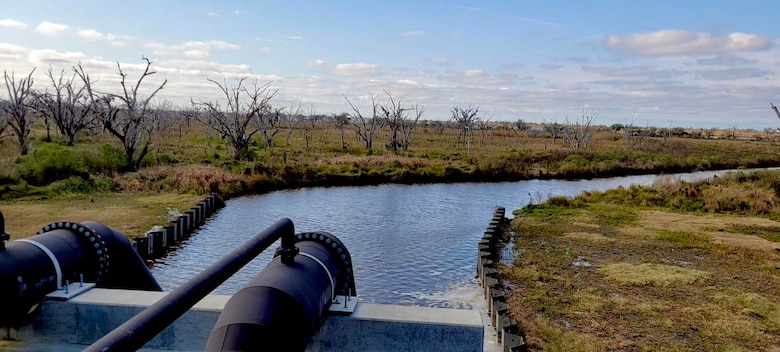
[71,137]
[677,266]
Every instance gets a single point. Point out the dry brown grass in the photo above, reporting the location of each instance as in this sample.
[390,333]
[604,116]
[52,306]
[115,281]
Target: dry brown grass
[587,236]
[649,288]
[198,179]
[651,274]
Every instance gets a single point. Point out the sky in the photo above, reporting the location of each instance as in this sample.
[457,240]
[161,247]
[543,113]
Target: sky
[683,63]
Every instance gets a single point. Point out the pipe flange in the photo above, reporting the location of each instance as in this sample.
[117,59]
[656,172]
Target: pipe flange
[91,239]
[337,249]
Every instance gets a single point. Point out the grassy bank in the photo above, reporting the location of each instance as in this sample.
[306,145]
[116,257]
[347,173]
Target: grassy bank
[131,213]
[677,266]
[188,162]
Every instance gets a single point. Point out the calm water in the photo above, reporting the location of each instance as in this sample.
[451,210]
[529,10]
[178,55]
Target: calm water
[409,244]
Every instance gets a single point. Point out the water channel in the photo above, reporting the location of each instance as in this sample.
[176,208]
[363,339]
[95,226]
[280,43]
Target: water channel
[410,244]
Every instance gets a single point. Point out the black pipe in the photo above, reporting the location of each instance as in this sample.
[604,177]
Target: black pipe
[128,271]
[283,307]
[137,331]
[4,236]
[61,252]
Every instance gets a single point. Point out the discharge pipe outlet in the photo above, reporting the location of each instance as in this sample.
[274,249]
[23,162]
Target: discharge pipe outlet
[284,306]
[144,326]
[65,252]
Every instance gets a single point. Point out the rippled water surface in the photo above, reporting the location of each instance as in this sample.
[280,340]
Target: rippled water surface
[410,244]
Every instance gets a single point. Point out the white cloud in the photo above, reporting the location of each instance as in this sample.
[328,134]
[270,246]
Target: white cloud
[482,78]
[732,74]
[11,51]
[202,68]
[49,28]
[407,81]
[90,34]
[12,24]
[440,61]
[317,63]
[192,49]
[265,49]
[678,43]
[413,34]
[295,37]
[49,57]
[358,69]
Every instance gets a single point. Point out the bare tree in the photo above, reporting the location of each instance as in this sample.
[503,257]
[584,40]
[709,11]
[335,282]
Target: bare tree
[394,114]
[68,105]
[409,125]
[17,108]
[131,120]
[554,129]
[342,121]
[164,118]
[307,125]
[484,126]
[240,118]
[465,118]
[365,127]
[578,134]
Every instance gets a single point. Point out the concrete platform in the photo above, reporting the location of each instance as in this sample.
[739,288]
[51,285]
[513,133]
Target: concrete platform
[70,325]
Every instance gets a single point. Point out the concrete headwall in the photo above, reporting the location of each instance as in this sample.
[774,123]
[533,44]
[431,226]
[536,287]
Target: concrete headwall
[372,327]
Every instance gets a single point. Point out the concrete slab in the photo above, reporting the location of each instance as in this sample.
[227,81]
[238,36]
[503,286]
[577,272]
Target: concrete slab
[73,324]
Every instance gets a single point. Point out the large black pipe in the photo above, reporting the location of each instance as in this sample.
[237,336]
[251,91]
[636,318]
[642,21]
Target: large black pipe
[282,308]
[137,331]
[65,251]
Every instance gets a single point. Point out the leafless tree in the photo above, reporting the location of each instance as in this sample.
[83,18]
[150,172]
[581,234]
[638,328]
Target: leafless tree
[769,133]
[578,134]
[164,118]
[365,127]
[394,114]
[733,132]
[409,124]
[241,117]
[307,125]
[68,105]
[17,108]
[342,121]
[554,129]
[465,118]
[439,126]
[130,120]
[484,126]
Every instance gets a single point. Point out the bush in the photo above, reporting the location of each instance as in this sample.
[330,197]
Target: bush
[51,162]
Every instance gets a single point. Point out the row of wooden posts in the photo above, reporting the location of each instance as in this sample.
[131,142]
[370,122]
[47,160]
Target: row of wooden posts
[158,240]
[507,330]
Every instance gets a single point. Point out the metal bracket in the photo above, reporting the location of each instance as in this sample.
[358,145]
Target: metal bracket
[343,305]
[69,291]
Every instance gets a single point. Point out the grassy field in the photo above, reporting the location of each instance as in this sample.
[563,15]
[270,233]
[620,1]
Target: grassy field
[185,164]
[639,269]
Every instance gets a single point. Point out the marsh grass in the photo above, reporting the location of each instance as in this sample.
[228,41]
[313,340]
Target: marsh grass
[664,277]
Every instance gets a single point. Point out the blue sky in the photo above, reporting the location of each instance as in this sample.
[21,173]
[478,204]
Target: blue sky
[691,63]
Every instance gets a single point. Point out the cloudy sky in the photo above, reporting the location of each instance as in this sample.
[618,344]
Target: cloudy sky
[692,63]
